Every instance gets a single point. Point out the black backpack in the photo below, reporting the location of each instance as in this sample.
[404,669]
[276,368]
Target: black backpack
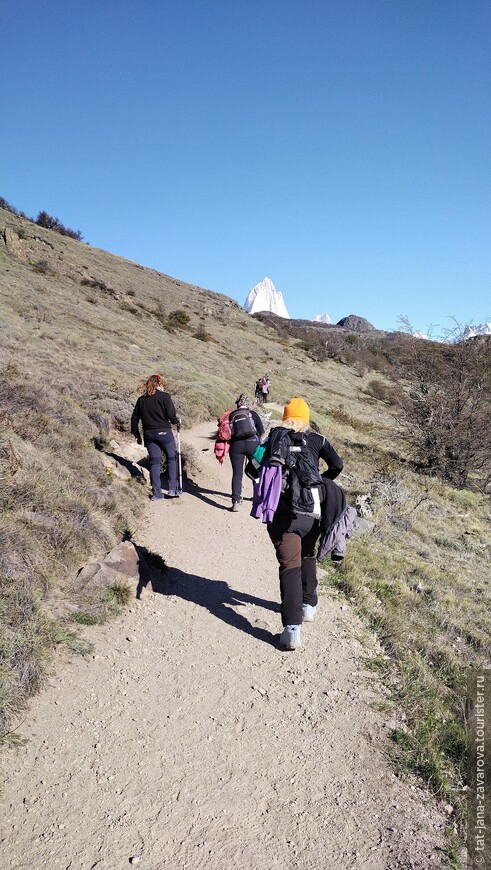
[302,486]
[242,424]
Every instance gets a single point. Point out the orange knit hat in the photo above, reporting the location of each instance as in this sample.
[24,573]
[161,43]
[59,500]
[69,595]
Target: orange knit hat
[297,409]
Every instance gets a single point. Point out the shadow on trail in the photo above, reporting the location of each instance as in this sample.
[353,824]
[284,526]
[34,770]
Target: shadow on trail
[134,468]
[215,595]
[200,492]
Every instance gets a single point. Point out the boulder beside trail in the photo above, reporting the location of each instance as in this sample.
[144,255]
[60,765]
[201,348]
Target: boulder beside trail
[119,566]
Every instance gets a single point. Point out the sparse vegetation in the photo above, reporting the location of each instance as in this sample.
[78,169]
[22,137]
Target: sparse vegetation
[43,220]
[43,268]
[346,419]
[385,392]
[411,594]
[51,223]
[178,319]
[447,408]
[202,335]
[97,284]
[120,594]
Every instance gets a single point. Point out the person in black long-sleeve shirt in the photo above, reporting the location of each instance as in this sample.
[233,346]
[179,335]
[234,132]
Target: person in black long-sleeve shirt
[155,411]
[242,446]
[295,537]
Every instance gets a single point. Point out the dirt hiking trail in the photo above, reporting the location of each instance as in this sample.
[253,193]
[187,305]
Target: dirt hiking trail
[189,740]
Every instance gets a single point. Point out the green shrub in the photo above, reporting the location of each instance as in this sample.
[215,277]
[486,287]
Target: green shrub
[83,618]
[43,268]
[120,593]
[178,319]
[202,335]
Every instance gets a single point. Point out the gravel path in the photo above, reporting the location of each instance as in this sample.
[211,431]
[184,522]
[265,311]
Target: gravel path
[188,740]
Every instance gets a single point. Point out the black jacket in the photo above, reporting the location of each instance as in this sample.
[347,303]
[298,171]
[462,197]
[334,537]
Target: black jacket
[318,446]
[333,506]
[321,449]
[154,412]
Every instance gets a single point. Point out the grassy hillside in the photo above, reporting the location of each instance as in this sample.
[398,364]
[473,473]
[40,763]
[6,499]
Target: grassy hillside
[80,328]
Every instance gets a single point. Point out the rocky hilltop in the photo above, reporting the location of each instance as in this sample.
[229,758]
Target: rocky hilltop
[297,327]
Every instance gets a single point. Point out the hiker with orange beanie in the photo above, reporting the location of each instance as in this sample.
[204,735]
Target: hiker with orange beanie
[155,410]
[294,537]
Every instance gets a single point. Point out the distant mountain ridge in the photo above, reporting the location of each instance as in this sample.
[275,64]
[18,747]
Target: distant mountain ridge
[264,298]
[471,330]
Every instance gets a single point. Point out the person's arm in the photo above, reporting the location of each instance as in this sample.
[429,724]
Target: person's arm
[135,419]
[258,423]
[170,411]
[334,462]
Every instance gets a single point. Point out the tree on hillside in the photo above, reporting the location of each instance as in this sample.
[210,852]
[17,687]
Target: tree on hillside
[52,223]
[446,410]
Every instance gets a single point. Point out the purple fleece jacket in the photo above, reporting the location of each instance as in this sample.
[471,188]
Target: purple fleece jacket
[267,491]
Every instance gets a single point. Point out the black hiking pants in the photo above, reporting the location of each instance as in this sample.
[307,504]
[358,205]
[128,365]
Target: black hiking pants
[240,451]
[294,542]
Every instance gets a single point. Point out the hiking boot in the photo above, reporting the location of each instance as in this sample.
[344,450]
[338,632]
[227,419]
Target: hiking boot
[156,497]
[172,494]
[308,612]
[290,637]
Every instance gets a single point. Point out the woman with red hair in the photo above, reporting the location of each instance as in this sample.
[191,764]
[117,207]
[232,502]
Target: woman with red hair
[155,410]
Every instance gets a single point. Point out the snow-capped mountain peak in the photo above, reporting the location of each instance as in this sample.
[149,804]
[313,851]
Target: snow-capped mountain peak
[265,297]
[472,330]
[322,318]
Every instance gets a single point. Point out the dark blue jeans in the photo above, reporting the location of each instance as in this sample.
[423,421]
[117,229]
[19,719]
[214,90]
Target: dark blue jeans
[156,441]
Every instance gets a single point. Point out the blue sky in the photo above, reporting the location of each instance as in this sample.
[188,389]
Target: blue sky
[339,147]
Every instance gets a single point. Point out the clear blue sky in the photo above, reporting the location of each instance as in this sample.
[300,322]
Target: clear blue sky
[340,147]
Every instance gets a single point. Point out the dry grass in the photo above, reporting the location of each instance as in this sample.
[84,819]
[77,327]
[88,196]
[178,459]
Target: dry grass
[421,580]
[77,336]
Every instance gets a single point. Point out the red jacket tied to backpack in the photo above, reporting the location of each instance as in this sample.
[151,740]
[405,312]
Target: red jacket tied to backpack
[223,436]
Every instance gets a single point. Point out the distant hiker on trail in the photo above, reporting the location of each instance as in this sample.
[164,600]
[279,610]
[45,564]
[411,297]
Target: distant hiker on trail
[261,390]
[246,429]
[294,533]
[258,391]
[155,410]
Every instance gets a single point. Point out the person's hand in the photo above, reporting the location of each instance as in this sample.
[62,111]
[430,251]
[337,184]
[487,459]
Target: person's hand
[139,439]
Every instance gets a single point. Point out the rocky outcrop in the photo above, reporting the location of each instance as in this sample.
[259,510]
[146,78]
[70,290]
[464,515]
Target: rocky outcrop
[12,242]
[356,323]
[91,589]
[29,246]
[120,564]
